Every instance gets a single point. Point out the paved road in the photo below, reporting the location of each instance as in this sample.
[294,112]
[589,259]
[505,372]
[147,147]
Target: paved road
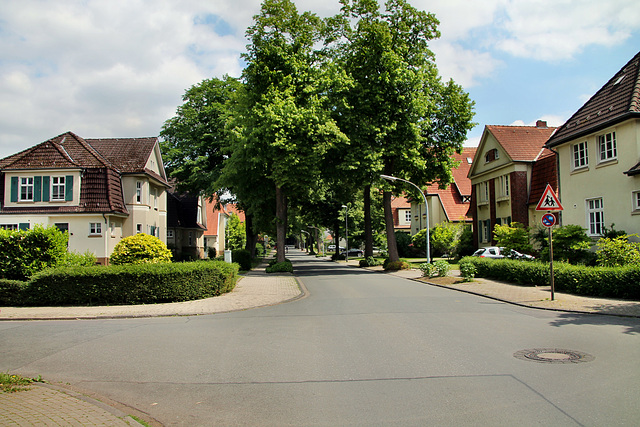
[362,349]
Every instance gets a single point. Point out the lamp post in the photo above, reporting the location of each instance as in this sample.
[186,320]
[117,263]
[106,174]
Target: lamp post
[346,233]
[426,209]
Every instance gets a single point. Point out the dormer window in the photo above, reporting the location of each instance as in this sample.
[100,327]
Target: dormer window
[491,155]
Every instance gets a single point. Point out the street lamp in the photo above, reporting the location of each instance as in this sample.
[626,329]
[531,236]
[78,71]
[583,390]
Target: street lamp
[346,233]
[426,208]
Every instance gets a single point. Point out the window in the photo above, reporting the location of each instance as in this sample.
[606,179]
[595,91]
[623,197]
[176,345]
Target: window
[57,188]
[607,146]
[155,198]
[26,189]
[191,238]
[483,230]
[407,216]
[636,200]
[138,192]
[62,226]
[95,228]
[169,234]
[483,192]
[504,186]
[138,228]
[580,155]
[9,226]
[595,217]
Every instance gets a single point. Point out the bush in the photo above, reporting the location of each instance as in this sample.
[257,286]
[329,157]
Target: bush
[369,262]
[24,253]
[615,282]
[212,253]
[76,259]
[11,292]
[130,284]
[280,267]
[468,271]
[428,270]
[618,251]
[438,268]
[395,265]
[514,236]
[140,249]
[242,257]
[403,240]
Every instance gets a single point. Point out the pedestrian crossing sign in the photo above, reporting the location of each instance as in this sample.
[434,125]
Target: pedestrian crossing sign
[549,201]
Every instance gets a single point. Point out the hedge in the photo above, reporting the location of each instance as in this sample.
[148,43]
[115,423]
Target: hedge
[124,284]
[613,282]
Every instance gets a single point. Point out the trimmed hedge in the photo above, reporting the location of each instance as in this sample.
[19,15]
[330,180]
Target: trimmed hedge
[279,267]
[614,282]
[242,257]
[124,284]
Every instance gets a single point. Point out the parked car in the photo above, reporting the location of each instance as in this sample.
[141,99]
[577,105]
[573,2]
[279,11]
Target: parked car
[332,248]
[499,252]
[357,253]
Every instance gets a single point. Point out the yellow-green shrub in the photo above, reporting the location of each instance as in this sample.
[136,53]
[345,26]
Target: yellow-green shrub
[140,249]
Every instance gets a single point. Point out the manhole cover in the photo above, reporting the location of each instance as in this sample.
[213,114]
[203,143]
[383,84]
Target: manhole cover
[553,355]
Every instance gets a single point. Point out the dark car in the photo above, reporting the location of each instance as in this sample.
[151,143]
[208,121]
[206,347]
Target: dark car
[356,253]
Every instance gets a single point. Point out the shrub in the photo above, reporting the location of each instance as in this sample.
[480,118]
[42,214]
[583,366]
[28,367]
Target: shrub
[396,265]
[140,249]
[403,240]
[131,284]
[280,267]
[438,268]
[468,271]
[369,262]
[76,259]
[24,253]
[514,236]
[11,292]
[242,257]
[618,251]
[212,253]
[428,270]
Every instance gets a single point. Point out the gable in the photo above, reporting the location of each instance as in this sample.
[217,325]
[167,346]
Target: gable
[616,101]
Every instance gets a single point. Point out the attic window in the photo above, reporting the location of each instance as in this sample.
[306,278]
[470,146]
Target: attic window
[469,160]
[617,82]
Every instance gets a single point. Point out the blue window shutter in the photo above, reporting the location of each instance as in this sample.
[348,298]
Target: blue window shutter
[46,187]
[14,188]
[68,188]
[37,188]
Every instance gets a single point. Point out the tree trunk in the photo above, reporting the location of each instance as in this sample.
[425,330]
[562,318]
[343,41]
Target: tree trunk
[336,233]
[252,237]
[368,232]
[388,220]
[281,224]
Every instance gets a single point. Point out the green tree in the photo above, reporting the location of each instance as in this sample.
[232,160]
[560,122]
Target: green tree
[618,251]
[570,244]
[286,122]
[402,119]
[236,233]
[514,236]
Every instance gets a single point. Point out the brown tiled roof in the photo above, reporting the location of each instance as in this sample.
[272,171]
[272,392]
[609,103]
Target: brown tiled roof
[129,155]
[454,208]
[543,172]
[460,173]
[522,143]
[616,101]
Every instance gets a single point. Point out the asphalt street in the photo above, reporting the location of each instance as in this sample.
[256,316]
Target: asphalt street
[362,348]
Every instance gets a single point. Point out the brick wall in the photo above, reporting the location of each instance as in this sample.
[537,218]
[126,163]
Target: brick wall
[519,198]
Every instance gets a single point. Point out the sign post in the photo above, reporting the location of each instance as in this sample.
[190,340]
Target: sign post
[549,202]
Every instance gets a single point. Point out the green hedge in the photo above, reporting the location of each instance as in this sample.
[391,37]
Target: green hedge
[125,284]
[11,291]
[615,282]
[242,257]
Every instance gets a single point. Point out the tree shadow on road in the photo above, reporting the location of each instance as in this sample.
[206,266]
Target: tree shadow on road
[606,315]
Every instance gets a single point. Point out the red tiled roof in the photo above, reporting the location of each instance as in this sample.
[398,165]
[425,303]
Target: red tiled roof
[522,143]
[460,173]
[617,100]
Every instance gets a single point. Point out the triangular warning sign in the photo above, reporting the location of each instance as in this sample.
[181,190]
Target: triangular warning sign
[549,201]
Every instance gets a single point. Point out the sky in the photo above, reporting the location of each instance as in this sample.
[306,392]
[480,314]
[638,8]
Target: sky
[119,68]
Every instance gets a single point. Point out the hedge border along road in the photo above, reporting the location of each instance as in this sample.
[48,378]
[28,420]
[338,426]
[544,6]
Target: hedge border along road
[612,282]
[124,284]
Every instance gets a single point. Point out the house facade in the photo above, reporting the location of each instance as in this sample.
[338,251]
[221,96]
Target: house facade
[598,152]
[186,225]
[510,166]
[99,190]
[449,204]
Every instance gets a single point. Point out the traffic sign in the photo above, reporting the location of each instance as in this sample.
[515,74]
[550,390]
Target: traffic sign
[549,201]
[548,220]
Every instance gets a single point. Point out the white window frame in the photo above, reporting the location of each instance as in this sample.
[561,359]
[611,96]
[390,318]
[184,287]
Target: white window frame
[595,216]
[9,227]
[504,186]
[580,153]
[58,188]
[95,229]
[169,234]
[138,228]
[607,147]
[26,182]
[138,192]
[155,198]
[407,216]
[636,200]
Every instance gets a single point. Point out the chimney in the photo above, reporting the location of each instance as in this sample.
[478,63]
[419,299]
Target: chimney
[541,124]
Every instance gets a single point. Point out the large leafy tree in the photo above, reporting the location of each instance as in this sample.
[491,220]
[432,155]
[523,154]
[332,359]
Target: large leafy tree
[286,123]
[402,119]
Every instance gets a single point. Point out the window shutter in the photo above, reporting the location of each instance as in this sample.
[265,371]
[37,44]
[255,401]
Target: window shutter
[480,232]
[37,188]
[14,188]
[68,188]
[46,187]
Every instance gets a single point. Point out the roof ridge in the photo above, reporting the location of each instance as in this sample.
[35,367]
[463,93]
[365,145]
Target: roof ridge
[634,104]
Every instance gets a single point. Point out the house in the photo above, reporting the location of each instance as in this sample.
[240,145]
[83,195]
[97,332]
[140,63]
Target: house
[217,216]
[510,168]
[401,210]
[99,190]
[449,204]
[598,152]
[186,225]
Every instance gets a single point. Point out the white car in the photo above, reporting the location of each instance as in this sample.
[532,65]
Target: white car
[499,252]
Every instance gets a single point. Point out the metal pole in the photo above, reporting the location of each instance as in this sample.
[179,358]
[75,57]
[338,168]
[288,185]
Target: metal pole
[346,233]
[551,262]
[426,210]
